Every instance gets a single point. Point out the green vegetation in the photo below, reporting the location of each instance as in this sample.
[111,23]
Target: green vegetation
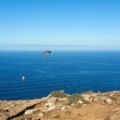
[75,98]
[58,94]
[89,92]
[99,92]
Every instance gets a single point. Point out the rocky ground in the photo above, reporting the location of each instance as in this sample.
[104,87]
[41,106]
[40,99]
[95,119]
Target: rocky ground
[61,106]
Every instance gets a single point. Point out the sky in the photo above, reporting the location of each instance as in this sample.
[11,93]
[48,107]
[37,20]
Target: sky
[59,24]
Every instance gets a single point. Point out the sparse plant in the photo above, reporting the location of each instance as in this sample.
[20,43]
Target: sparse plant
[57,116]
[67,112]
[79,114]
[28,118]
[22,118]
[99,92]
[78,105]
[107,118]
[58,94]
[74,99]
[89,92]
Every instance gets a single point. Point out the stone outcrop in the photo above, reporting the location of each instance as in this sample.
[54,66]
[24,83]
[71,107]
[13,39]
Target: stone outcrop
[114,115]
[44,107]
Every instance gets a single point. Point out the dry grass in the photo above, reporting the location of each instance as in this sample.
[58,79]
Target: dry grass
[58,94]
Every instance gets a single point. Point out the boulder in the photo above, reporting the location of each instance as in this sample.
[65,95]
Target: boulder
[108,100]
[80,102]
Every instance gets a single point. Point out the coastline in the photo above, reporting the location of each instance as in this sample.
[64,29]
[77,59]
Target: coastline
[58,106]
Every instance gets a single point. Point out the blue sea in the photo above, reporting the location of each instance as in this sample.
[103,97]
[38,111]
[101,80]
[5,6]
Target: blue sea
[71,71]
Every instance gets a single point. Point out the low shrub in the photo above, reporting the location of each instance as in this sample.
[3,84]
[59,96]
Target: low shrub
[89,92]
[58,94]
[107,118]
[75,98]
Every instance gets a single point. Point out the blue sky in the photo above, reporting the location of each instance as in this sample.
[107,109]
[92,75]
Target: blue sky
[59,24]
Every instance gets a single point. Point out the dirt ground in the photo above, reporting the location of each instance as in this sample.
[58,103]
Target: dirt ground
[93,111]
[15,110]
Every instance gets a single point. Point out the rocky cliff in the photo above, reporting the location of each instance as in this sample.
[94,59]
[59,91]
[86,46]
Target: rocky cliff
[61,106]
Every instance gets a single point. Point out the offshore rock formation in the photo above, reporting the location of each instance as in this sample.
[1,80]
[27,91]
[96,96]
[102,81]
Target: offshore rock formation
[59,105]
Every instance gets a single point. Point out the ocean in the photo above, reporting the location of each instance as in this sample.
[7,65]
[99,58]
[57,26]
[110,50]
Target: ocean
[71,71]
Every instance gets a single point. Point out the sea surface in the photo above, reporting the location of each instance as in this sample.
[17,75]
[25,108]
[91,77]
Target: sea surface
[71,71]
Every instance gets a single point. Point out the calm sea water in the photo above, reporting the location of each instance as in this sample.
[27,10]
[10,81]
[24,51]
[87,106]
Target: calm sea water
[70,71]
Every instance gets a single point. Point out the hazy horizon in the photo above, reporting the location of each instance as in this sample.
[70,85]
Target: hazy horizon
[56,47]
[59,24]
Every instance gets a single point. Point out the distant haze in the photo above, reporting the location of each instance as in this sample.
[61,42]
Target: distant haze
[59,24]
[56,47]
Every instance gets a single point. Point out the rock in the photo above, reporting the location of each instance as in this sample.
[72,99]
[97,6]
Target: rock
[49,104]
[63,108]
[115,110]
[45,107]
[108,100]
[41,114]
[51,100]
[73,104]
[111,94]
[80,102]
[95,99]
[86,97]
[31,111]
[95,94]
[13,106]
[49,109]
[62,99]
[115,115]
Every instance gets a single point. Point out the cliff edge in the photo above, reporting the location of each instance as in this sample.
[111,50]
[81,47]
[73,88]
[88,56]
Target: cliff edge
[61,106]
